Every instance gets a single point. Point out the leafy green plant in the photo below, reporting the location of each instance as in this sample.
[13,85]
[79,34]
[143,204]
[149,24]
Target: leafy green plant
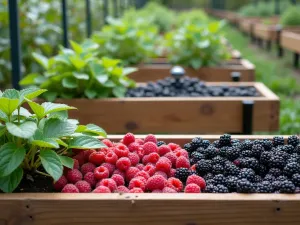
[197,45]
[195,16]
[291,17]
[38,141]
[79,73]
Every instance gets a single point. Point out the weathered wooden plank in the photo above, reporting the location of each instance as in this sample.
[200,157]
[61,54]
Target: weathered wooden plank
[291,40]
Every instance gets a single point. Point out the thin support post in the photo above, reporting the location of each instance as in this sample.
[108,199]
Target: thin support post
[88,18]
[105,10]
[65,23]
[248,116]
[15,43]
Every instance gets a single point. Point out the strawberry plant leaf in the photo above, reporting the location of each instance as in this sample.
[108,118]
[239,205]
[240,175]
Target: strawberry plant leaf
[51,163]
[11,94]
[24,130]
[38,110]
[55,107]
[67,161]
[42,60]
[56,128]
[8,105]
[69,82]
[11,182]
[86,142]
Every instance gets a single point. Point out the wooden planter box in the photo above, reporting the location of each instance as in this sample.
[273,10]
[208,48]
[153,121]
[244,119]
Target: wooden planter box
[152,72]
[291,40]
[151,209]
[266,32]
[181,115]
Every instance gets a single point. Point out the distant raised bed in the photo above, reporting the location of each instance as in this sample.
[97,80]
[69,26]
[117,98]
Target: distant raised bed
[290,40]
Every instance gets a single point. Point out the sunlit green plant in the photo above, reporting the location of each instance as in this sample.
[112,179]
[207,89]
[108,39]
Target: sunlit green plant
[291,17]
[195,16]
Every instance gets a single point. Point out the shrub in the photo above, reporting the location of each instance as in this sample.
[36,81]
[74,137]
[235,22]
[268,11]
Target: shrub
[291,17]
[196,16]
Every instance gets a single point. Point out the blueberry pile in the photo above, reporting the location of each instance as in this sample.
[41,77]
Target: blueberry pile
[259,166]
[188,87]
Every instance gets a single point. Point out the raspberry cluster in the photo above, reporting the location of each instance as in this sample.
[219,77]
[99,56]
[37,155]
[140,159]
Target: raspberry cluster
[131,166]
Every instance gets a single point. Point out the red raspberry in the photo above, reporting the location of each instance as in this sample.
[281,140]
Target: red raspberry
[128,139]
[157,191]
[76,164]
[123,163]
[59,185]
[172,157]
[118,179]
[140,152]
[70,188]
[153,157]
[149,147]
[173,146]
[150,138]
[136,183]
[168,190]
[102,189]
[194,179]
[77,151]
[139,141]
[119,172]
[155,182]
[110,183]
[83,186]
[140,166]
[87,167]
[134,158]
[101,172]
[181,152]
[193,167]
[87,154]
[111,168]
[111,157]
[163,149]
[122,189]
[145,160]
[182,162]
[143,174]
[131,172]
[134,147]
[97,158]
[74,175]
[192,188]
[175,184]
[172,172]
[142,179]
[107,142]
[163,164]
[90,178]
[80,158]
[162,174]
[121,150]
[149,169]
[136,190]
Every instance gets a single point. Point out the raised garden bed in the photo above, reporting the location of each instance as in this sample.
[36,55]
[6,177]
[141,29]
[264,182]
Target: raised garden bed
[187,115]
[134,209]
[290,40]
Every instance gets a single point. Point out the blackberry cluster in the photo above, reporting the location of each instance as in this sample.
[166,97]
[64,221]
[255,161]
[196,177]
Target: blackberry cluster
[259,166]
[188,87]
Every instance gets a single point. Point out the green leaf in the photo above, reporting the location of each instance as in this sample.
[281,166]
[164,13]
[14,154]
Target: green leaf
[2,130]
[92,128]
[3,116]
[81,76]
[119,91]
[11,182]
[102,78]
[77,62]
[50,96]
[30,79]
[55,107]
[85,142]
[38,110]
[40,140]
[42,60]
[62,143]
[196,63]
[23,112]
[67,161]
[11,156]
[69,82]
[107,62]
[11,94]
[61,115]
[24,130]
[203,44]
[31,93]
[81,128]
[56,128]
[129,70]
[99,72]
[77,48]
[51,163]
[90,93]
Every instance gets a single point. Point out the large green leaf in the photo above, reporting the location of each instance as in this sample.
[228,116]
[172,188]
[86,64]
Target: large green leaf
[30,79]
[51,163]
[86,142]
[56,128]
[11,94]
[23,112]
[90,93]
[38,110]
[69,82]
[77,62]
[8,105]
[55,107]
[67,161]
[11,182]
[31,93]
[129,70]
[11,156]
[42,60]
[40,140]
[24,130]
[81,76]
[50,96]
[119,91]
[3,116]
[77,48]
[92,128]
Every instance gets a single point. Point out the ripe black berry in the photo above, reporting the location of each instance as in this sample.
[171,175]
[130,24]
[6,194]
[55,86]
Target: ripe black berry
[231,170]
[275,172]
[276,161]
[245,186]
[221,189]
[246,145]
[203,166]
[211,189]
[296,179]
[196,143]
[160,143]
[287,187]
[293,140]
[232,153]
[205,143]
[257,150]
[264,187]
[291,168]
[219,179]
[278,141]
[188,148]
[182,174]
[225,140]
[217,169]
[248,174]
[231,183]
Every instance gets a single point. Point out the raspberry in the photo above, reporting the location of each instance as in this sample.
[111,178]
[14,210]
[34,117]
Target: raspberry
[102,189]
[111,157]
[134,147]
[142,174]
[140,166]
[155,182]
[157,191]
[136,190]
[128,139]
[111,168]
[153,157]
[121,150]
[140,141]
[172,172]
[149,147]
[70,188]
[90,178]
[74,175]
[131,172]
[173,146]
[162,174]
[145,160]
[123,164]
[107,142]
[195,179]
[87,154]
[101,172]
[87,167]
[140,152]
[142,179]
[193,167]
[134,158]
[192,188]
[80,158]
[118,179]
[97,158]
[163,164]
[163,149]
[110,183]
[150,138]
[168,190]
[83,186]
[122,189]
[175,184]
[59,185]
[149,169]
[119,172]
[76,164]
[77,151]
[172,157]
[182,162]
[181,153]
[136,183]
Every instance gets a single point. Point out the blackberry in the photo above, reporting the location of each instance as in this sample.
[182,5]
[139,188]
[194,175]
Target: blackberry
[269,178]
[281,178]
[235,142]
[246,145]
[264,187]
[276,185]
[211,189]
[223,151]
[276,161]
[203,166]
[267,144]
[293,140]
[275,172]
[208,176]
[196,143]
[296,179]
[182,174]
[217,169]
[257,179]
[225,140]
[209,182]
[196,156]
[202,150]
[160,143]
[278,141]
[250,163]
[187,147]
[219,179]
[222,189]
[262,170]
[288,149]
[205,143]
[218,160]
[231,183]
[297,149]
[247,173]
[287,187]
[216,144]
[257,142]
[257,150]
[291,168]
[244,186]
[293,158]
[231,170]
[232,153]
[265,157]
[247,153]
[211,152]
